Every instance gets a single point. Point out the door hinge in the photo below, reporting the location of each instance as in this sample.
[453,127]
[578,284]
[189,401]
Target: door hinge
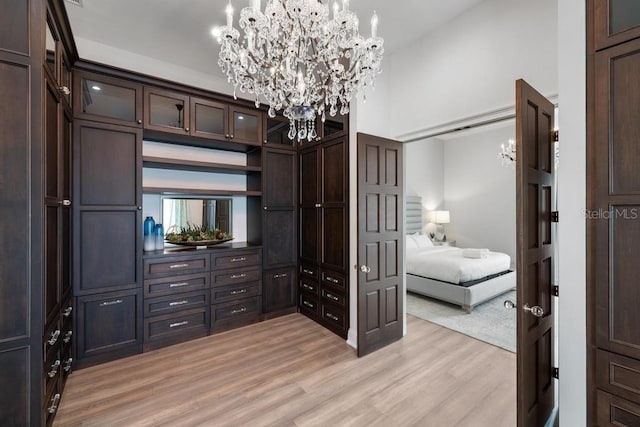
[555,216]
[556,373]
[555,291]
[556,136]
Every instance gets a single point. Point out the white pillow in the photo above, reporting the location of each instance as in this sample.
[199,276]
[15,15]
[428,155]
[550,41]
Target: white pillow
[410,242]
[422,240]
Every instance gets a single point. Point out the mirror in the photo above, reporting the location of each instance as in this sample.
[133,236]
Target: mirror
[201,212]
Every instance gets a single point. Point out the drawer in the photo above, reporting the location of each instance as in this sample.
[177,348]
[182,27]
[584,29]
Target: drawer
[164,266]
[177,327]
[173,303]
[240,275]
[51,370]
[335,280]
[233,292]
[309,271]
[237,310]
[307,285]
[334,316]
[309,304]
[333,297]
[173,284]
[615,411]
[618,375]
[51,404]
[236,259]
[52,338]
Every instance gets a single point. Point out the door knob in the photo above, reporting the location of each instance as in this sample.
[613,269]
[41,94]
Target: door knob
[365,268]
[535,310]
[509,304]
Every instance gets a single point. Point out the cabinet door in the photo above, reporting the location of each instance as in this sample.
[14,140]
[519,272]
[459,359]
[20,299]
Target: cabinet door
[309,233]
[166,111]
[279,170]
[245,125]
[109,323]
[107,165]
[209,119]
[107,99]
[616,21]
[279,289]
[334,172]
[309,176]
[280,237]
[334,239]
[275,133]
[65,211]
[333,126]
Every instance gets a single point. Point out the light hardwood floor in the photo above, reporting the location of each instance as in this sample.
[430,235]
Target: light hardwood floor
[290,371]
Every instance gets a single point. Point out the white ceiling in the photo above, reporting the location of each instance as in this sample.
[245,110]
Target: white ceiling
[178,31]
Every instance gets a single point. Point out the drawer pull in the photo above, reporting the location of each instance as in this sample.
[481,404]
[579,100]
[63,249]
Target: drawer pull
[333,297]
[308,304]
[332,316]
[239,291]
[240,310]
[175,325]
[332,280]
[304,270]
[178,266]
[277,276]
[238,259]
[67,337]
[308,287]
[114,302]
[54,337]
[54,404]
[178,285]
[238,276]
[67,364]
[183,302]
[54,369]
[67,311]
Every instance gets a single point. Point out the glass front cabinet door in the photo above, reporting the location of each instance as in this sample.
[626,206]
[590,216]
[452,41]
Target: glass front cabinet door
[107,99]
[166,111]
[209,119]
[616,21]
[245,125]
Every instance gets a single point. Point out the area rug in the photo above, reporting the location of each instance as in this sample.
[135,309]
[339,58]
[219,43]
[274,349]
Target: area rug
[489,322]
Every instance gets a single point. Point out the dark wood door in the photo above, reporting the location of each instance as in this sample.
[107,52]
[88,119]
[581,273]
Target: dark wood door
[535,192]
[380,242]
[613,231]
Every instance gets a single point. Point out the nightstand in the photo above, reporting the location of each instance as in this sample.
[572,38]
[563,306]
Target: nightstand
[444,243]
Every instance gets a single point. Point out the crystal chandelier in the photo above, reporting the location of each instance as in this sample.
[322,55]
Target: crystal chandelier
[299,60]
[508,153]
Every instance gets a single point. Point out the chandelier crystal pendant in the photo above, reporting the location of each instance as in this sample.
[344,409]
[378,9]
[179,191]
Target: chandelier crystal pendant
[298,59]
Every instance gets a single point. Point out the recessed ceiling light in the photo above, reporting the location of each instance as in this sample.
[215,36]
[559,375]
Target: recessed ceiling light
[240,117]
[96,88]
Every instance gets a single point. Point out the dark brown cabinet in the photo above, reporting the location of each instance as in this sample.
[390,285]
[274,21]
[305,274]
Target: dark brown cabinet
[613,183]
[107,251]
[181,114]
[107,99]
[279,223]
[324,234]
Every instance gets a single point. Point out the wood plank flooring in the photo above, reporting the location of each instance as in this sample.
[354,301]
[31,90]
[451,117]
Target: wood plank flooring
[290,371]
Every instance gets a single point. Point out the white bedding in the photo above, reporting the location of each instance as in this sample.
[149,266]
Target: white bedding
[446,263]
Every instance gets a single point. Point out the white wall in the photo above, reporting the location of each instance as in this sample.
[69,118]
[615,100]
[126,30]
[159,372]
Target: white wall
[479,192]
[469,65]
[572,201]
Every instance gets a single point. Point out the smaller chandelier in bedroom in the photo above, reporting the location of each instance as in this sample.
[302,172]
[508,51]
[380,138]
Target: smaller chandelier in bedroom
[508,153]
[299,60]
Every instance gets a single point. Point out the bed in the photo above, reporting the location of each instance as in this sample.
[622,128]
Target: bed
[443,273]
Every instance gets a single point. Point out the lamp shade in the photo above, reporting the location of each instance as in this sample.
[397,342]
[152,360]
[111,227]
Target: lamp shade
[441,217]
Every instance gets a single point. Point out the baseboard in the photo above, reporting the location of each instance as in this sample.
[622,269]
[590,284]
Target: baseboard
[352,338]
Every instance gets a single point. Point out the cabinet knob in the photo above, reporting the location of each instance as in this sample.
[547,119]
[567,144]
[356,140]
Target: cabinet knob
[65,202]
[186,129]
[139,121]
[265,141]
[65,90]
[265,208]
[227,136]
[231,136]
[139,208]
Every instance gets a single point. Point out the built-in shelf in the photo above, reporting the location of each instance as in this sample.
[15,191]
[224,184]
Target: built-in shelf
[191,165]
[199,191]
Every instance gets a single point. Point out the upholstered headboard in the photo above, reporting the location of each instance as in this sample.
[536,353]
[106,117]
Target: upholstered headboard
[414,214]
